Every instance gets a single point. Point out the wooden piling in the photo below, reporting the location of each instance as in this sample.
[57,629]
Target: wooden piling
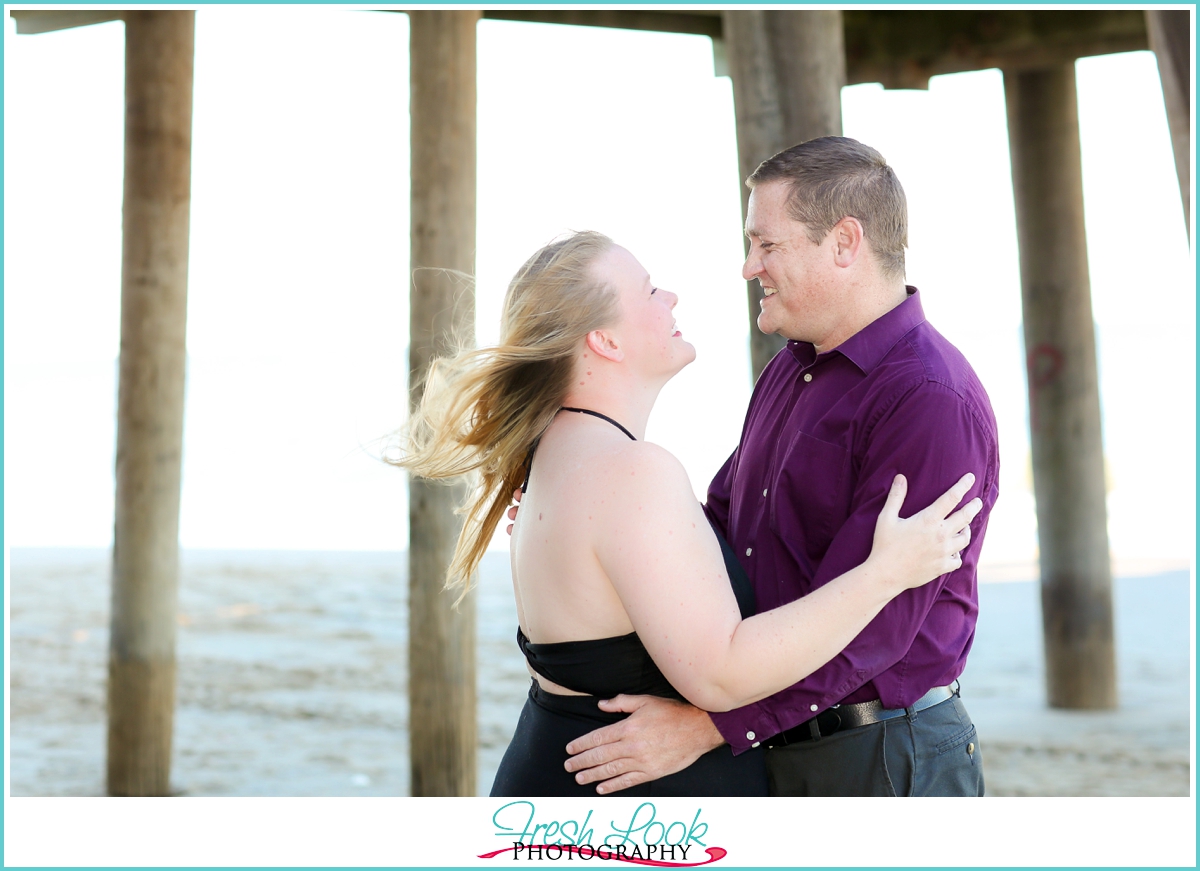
[141,665]
[441,647]
[788,69]
[1170,31]
[1064,396]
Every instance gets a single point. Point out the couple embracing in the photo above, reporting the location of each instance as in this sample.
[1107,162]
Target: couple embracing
[802,632]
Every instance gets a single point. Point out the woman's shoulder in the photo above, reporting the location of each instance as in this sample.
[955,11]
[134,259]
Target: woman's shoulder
[609,474]
[637,480]
[648,460]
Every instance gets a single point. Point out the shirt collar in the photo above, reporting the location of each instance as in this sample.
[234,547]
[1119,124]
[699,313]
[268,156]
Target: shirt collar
[870,344]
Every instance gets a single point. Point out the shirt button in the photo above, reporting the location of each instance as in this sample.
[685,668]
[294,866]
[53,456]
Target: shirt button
[749,736]
[812,707]
[756,743]
[749,551]
[808,376]
[764,492]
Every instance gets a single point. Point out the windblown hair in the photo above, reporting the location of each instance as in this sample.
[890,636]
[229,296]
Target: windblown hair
[483,409]
[834,177]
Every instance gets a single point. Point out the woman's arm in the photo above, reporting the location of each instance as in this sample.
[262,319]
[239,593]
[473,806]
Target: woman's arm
[656,547]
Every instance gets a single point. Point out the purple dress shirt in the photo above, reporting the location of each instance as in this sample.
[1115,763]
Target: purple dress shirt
[824,436]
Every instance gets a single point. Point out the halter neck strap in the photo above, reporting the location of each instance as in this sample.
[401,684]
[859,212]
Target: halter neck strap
[533,447]
[601,416]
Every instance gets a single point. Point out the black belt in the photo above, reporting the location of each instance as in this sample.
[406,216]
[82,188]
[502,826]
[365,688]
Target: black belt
[839,718]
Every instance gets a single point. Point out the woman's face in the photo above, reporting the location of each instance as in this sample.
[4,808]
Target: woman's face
[646,328]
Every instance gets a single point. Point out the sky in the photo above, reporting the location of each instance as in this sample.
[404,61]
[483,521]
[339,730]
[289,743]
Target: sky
[298,323]
[298,320]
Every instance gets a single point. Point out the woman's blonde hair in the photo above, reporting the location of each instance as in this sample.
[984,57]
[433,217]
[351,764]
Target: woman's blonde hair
[483,410]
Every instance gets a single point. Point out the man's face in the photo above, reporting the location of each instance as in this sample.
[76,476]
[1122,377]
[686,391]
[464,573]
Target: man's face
[795,274]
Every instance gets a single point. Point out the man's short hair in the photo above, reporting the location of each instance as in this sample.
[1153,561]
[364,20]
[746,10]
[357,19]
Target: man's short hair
[836,177]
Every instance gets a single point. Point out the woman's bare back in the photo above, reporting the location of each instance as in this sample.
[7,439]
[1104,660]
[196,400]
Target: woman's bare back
[562,592]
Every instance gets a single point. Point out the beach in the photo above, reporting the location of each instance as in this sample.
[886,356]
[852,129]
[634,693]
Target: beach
[292,679]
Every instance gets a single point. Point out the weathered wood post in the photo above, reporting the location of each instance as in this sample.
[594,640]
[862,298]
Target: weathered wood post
[441,641]
[788,69]
[1169,31]
[158,137]
[1064,395]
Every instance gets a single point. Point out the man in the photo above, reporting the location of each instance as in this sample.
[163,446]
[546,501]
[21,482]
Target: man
[864,389]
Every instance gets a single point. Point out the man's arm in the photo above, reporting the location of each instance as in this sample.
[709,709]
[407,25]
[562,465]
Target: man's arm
[938,438]
[932,436]
[716,505]
[660,737]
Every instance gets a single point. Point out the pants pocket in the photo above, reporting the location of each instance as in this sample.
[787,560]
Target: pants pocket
[967,733]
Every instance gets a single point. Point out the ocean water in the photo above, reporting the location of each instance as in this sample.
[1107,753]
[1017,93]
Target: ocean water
[292,679]
[292,672]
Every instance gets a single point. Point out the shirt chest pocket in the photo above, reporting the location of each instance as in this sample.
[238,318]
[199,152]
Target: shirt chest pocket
[811,495]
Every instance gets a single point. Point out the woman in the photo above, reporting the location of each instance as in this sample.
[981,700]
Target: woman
[621,586]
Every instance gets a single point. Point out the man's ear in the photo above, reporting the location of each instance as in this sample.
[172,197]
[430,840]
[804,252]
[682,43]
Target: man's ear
[604,344]
[848,239]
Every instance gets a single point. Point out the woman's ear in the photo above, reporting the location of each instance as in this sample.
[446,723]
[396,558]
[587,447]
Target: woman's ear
[604,344]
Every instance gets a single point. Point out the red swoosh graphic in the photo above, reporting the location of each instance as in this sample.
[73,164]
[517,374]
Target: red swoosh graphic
[714,854]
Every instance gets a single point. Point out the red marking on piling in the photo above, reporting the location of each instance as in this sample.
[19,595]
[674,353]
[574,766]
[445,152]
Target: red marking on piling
[1043,364]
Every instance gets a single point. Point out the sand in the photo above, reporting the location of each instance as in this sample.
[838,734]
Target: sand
[292,680]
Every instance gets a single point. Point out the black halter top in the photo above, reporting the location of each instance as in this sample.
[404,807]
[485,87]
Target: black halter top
[606,667]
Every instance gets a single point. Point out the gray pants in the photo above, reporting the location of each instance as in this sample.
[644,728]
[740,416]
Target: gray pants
[930,752]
